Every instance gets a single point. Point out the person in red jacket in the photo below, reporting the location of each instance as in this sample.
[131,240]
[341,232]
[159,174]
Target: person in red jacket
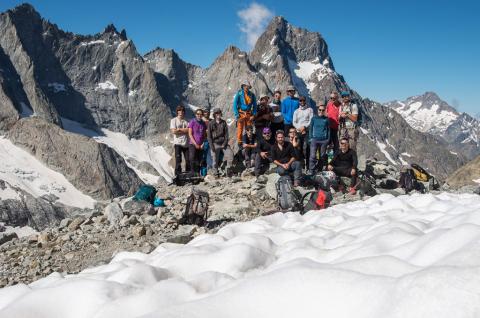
[333,113]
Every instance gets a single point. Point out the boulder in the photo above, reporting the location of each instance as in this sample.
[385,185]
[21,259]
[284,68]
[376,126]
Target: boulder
[114,213]
[138,207]
[6,237]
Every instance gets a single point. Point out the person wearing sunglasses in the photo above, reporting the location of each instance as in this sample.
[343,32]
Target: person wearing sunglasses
[301,121]
[319,132]
[288,107]
[344,164]
[197,133]
[179,129]
[348,120]
[264,152]
[244,108]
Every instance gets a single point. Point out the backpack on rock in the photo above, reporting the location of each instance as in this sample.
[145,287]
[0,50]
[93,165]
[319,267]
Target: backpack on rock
[317,200]
[196,210]
[287,198]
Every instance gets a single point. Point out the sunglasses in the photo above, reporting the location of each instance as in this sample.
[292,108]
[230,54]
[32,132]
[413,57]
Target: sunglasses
[343,143]
[321,109]
[302,100]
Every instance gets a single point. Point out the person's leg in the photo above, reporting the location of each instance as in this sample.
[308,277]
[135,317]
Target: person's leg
[306,150]
[281,171]
[178,159]
[353,137]
[334,140]
[296,167]
[240,127]
[186,157]
[247,156]
[313,154]
[228,156]
[323,153]
[192,151]
[218,156]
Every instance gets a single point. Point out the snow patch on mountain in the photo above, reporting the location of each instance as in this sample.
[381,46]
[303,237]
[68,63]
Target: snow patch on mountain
[22,170]
[407,256]
[426,119]
[308,73]
[129,148]
[106,86]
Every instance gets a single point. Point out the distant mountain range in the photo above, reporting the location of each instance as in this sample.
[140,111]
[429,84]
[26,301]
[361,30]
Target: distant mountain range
[95,113]
[429,114]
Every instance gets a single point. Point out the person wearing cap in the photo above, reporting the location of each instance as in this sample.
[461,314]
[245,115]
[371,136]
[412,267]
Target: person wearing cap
[301,121]
[244,108]
[264,152]
[264,114]
[197,134]
[178,127]
[348,120]
[319,132]
[217,134]
[289,105]
[283,155]
[275,105]
[333,114]
[249,146]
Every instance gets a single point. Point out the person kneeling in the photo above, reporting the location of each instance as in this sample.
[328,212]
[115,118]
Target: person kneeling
[217,134]
[344,164]
[283,156]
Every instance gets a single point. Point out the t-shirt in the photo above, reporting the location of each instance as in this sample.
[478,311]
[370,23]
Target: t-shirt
[351,109]
[333,113]
[179,123]
[262,110]
[198,131]
[345,160]
[283,155]
[277,113]
[264,145]
[249,141]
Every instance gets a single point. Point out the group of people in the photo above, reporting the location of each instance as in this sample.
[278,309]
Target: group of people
[286,132]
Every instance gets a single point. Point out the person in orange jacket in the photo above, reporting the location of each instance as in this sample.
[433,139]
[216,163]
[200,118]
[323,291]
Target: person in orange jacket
[244,109]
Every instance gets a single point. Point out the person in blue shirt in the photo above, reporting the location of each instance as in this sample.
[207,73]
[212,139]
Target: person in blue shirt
[289,105]
[244,109]
[319,132]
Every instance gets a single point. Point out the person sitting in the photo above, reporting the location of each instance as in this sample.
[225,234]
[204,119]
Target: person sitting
[197,133]
[283,155]
[319,132]
[264,114]
[344,164]
[264,152]
[217,134]
[178,127]
[295,139]
[249,147]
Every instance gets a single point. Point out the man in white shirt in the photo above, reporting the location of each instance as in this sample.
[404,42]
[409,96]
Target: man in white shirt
[179,129]
[348,121]
[301,121]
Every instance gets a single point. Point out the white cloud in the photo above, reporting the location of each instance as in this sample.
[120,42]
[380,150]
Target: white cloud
[254,20]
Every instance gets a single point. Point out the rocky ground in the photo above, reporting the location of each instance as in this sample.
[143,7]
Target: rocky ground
[126,225]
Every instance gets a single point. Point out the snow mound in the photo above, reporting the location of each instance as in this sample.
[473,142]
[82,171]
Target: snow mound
[22,170]
[407,256]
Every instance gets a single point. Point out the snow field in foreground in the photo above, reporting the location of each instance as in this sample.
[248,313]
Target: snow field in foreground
[407,256]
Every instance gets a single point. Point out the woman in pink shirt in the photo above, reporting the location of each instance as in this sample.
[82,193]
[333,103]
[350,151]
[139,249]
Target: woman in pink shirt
[333,113]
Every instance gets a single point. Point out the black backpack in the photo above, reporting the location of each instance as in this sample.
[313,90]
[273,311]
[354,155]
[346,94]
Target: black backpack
[408,181]
[196,210]
[317,200]
[185,178]
[287,198]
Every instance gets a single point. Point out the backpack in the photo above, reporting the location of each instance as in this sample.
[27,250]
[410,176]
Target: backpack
[408,181]
[365,185]
[183,178]
[287,198]
[145,193]
[420,173]
[317,200]
[196,210]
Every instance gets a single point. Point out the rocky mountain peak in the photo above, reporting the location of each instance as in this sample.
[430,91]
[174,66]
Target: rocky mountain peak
[111,29]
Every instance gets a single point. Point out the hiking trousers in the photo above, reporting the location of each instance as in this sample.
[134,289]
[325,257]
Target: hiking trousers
[261,164]
[346,172]
[244,119]
[220,152]
[249,155]
[179,151]
[295,167]
[334,140]
[351,134]
[196,158]
[316,144]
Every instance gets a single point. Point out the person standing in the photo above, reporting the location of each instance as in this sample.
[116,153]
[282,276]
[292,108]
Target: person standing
[333,113]
[244,109]
[319,132]
[217,134]
[179,129]
[197,133]
[301,121]
[277,120]
[207,162]
[264,114]
[288,107]
[348,120]
[283,155]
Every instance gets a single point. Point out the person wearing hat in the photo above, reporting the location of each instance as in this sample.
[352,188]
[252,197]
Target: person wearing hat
[264,114]
[244,108]
[289,106]
[217,134]
[264,152]
[275,105]
[348,120]
[333,114]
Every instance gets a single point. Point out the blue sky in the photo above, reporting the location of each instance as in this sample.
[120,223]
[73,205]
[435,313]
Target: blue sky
[385,49]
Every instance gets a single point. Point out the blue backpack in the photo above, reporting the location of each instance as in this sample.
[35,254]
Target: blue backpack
[146,193]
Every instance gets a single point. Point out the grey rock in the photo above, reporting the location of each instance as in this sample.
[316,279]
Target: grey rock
[114,213]
[75,225]
[183,234]
[138,231]
[270,186]
[65,222]
[7,237]
[138,208]
[44,238]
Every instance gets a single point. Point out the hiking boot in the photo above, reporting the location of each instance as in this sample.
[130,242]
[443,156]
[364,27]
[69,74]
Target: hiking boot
[352,191]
